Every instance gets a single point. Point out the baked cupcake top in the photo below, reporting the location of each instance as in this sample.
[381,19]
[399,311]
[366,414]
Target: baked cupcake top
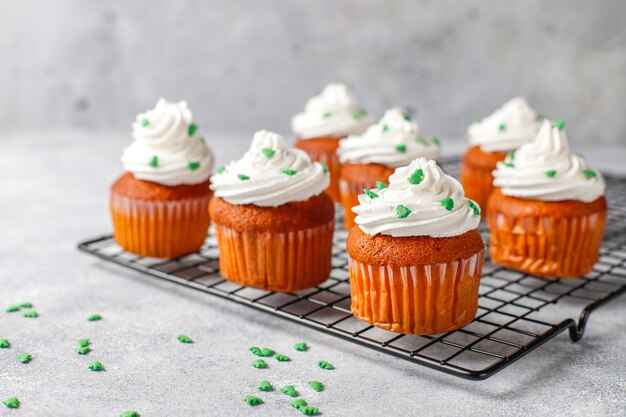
[394,141]
[334,112]
[167,148]
[269,174]
[506,129]
[420,200]
[547,170]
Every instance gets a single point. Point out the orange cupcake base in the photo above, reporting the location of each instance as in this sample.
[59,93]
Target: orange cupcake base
[422,298]
[325,150]
[169,222]
[354,178]
[284,248]
[476,175]
[558,239]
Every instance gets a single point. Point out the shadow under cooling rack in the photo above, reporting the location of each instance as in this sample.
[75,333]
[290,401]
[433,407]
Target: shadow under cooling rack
[517,312]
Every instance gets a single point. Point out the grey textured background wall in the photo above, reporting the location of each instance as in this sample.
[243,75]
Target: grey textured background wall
[245,65]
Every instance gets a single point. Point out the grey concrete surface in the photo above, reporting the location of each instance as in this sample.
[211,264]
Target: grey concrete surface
[53,193]
[244,64]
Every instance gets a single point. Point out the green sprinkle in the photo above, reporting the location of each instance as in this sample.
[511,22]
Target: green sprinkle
[252,400]
[402,211]
[26,305]
[381,185]
[267,352]
[316,385]
[385,128]
[12,402]
[416,177]
[220,170]
[4,343]
[309,411]
[448,203]
[474,207]
[282,358]
[509,164]
[590,173]
[83,342]
[326,115]
[129,414]
[511,155]
[255,350]
[406,117]
[264,386]
[193,165]
[145,122]
[540,117]
[290,172]
[421,140]
[289,390]
[268,152]
[359,115]
[299,403]
[301,347]
[192,129]
[30,314]
[559,124]
[436,141]
[83,350]
[259,363]
[94,317]
[12,309]
[324,167]
[328,365]
[24,357]
[401,148]
[202,140]
[184,338]
[154,161]
[96,366]
[551,173]
[243,177]
[370,194]
[501,127]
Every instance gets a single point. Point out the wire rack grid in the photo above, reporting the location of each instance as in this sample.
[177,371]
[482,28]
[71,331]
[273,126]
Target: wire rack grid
[517,312]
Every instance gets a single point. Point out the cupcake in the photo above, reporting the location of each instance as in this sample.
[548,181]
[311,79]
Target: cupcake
[515,124]
[159,206]
[547,213]
[367,160]
[415,253]
[331,116]
[273,220]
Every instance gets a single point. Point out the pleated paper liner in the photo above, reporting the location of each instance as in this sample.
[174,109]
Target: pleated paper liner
[276,261]
[328,156]
[546,246]
[160,229]
[349,192]
[418,299]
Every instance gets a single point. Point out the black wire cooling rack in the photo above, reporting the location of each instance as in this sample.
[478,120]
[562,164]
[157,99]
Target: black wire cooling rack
[517,312]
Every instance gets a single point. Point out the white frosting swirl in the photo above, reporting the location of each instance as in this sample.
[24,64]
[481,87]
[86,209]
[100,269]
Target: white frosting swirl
[332,113]
[269,174]
[394,141]
[547,170]
[167,148]
[421,200]
[508,128]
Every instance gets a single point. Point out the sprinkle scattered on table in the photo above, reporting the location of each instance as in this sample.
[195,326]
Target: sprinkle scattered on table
[259,363]
[316,385]
[94,317]
[12,309]
[282,358]
[184,338]
[264,386]
[24,357]
[129,414]
[12,402]
[325,365]
[4,343]
[32,314]
[83,350]
[83,342]
[252,400]
[26,305]
[301,347]
[289,390]
[96,366]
